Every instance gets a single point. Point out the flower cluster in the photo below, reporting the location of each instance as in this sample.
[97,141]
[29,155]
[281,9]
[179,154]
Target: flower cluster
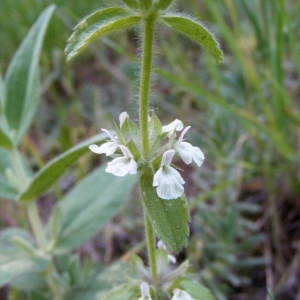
[125,144]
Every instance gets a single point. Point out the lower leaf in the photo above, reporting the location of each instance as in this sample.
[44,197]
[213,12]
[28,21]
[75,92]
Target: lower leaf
[170,218]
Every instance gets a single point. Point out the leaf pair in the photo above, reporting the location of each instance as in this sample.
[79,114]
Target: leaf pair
[108,20]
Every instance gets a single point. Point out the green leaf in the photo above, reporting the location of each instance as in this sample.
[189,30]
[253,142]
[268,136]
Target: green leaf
[96,25]
[16,267]
[132,3]
[196,290]
[6,190]
[123,292]
[55,169]
[22,78]
[89,205]
[5,141]
[164,4]
[196,32]
[170,218]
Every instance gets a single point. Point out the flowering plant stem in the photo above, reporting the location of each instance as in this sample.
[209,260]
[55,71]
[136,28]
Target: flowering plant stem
[145,83]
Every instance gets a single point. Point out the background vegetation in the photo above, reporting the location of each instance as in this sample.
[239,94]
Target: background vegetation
[245,241]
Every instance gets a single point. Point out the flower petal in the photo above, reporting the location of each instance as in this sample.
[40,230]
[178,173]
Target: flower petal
[181,295]
[175,125]
[121,166]
[167,158]
[145,291]
[123,117]
[107,148]
[168,183]
[189,153]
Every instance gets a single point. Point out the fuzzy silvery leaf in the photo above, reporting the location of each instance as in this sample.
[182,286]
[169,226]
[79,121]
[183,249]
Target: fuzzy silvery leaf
[164,4]
[132,3]
[53,170]
[170,218]
[22,78]
[88,207]
[16,267]
[196,290]
[196,32]
[96,25]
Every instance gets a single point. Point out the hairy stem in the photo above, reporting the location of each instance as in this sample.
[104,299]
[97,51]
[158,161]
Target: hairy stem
[150,236]
[145,83]
[146,70]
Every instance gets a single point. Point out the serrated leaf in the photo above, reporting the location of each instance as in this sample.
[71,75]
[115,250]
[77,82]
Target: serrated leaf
[132,3]
[170,218]
[96,25]
[22,78]
[164,4]
[196,290]
[90,205]
[55,169]
[196,32]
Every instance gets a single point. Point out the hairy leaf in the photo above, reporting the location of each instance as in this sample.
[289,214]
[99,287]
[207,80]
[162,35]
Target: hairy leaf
[170,218]
[196,32]
[96,25]
[89,205]
[196,290]
[55,169]
[22,78]
[164,4]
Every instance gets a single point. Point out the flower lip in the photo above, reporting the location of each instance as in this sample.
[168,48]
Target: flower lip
[123,165]
[167,180]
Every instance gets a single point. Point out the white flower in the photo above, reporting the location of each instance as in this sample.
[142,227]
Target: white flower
[172,259]
[181,295]
[145,291]
[176,125]
[123,117]
[187,151]
[107,148]
[167,180]
[123,165]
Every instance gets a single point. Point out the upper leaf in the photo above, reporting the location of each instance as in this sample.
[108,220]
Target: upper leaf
[170,218]
[96,25]
[22,78]
[89,205]
[164,4]
[55,169]
[195,31]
